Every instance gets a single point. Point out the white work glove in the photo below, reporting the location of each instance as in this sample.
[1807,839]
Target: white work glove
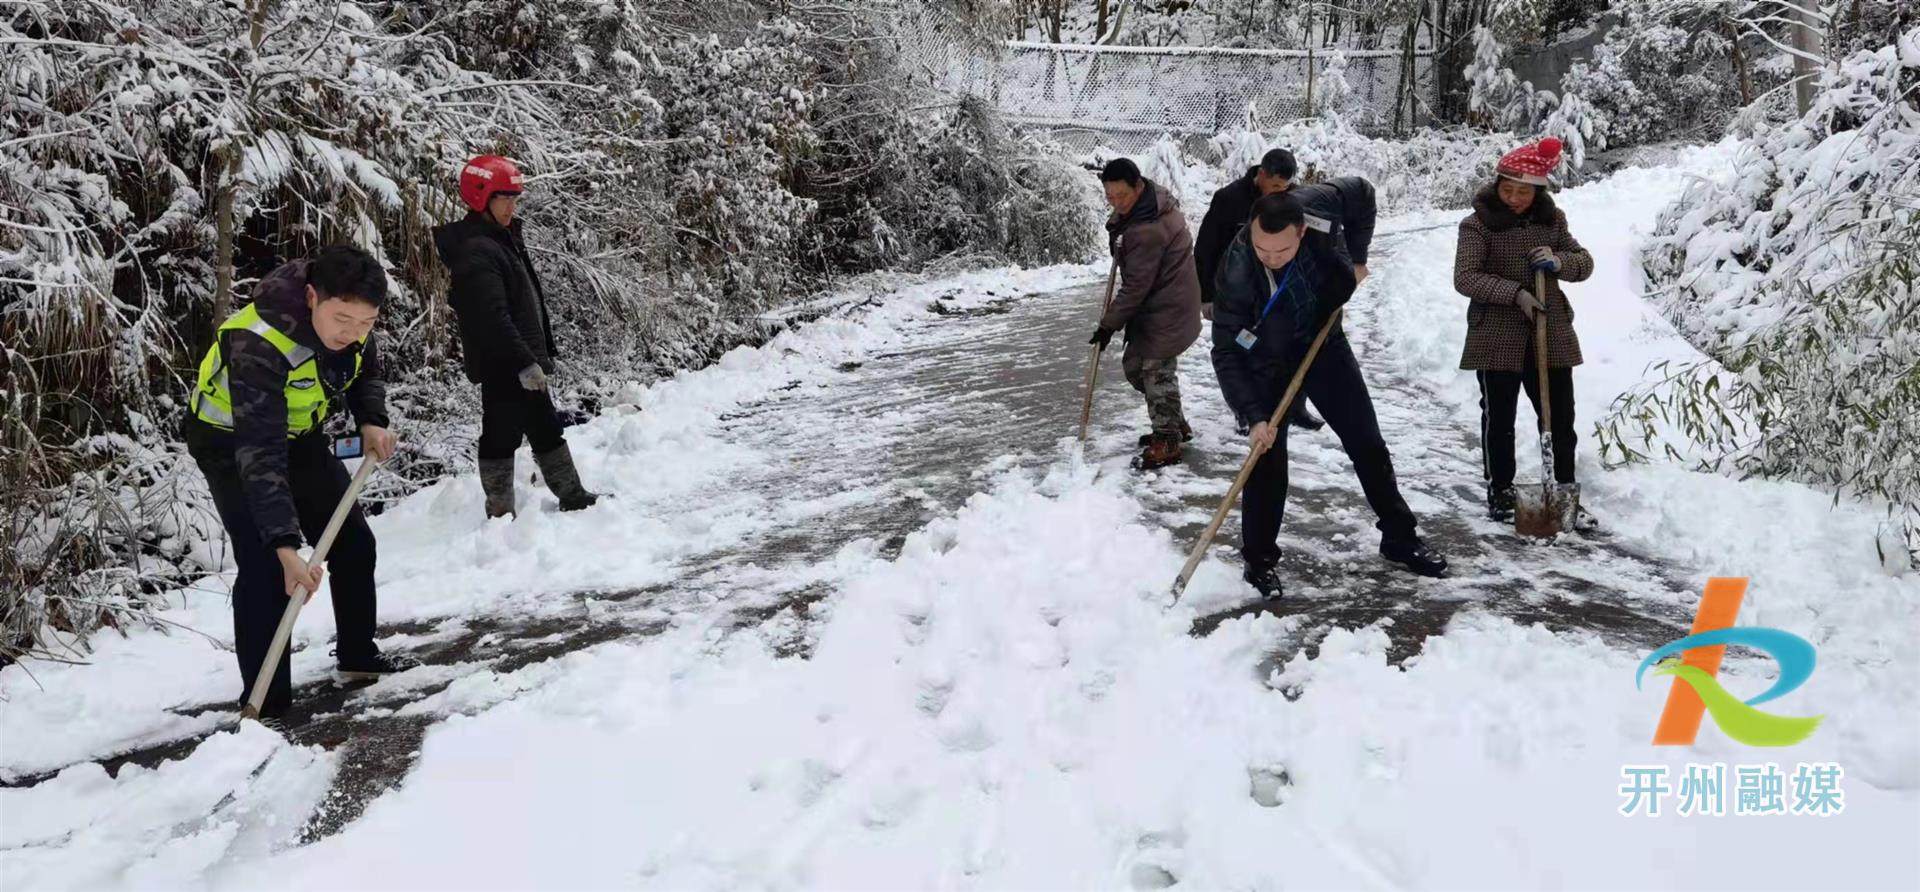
[533,377]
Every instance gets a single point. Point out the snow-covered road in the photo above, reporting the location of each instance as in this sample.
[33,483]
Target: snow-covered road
[862,616]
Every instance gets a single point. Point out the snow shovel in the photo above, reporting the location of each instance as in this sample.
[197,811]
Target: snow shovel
[1093,364]
[1253,458]
[280,635]
[1544,512]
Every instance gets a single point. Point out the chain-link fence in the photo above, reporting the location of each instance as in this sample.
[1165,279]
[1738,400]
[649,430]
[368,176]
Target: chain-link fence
[1135,94]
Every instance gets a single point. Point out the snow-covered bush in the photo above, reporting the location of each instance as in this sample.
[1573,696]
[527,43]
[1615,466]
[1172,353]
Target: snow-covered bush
[1797,279]
[1666,70]
[1579,126]
[1496,97]
[1333,93]
[1164,164]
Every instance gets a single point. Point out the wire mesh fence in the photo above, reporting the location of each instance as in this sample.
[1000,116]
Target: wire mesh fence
[1141,93]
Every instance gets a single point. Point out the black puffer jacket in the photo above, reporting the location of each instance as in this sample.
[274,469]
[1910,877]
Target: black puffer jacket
[497,299]
[1320,281]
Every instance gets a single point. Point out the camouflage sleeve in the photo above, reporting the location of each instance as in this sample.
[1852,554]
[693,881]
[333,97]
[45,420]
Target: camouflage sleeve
[257,379]
[367,398]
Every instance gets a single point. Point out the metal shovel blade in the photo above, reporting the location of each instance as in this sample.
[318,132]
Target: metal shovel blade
[1544,512]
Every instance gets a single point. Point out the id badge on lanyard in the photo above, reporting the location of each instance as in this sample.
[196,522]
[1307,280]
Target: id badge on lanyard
[1246,338]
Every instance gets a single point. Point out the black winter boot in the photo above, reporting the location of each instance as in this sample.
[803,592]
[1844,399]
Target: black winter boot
[564,480]
[1304,419]
[1500,501]
[375,665]
[496,480]
[1413,554]
[1263,579]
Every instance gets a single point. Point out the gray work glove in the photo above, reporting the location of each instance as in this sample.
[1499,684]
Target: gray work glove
[1528,303]
[1543,259]
[533,377]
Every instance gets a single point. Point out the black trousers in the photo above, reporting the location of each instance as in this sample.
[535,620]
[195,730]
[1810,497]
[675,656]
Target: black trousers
[1499,402]
[509,412]
[1340,393]
[318,480]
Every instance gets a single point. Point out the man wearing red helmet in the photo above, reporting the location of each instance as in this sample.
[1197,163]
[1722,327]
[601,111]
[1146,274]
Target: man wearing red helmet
[506,336]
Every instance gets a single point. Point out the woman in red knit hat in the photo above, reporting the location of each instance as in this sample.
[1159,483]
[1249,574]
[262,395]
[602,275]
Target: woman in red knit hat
[1514,230]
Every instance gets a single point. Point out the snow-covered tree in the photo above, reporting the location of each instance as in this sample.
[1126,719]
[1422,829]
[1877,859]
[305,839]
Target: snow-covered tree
[1798,280]
[692,165]
[1332,93]
[1580,127]
[1496,97]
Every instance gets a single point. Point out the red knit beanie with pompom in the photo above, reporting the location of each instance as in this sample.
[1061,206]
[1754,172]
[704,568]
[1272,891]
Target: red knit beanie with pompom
[1532,163]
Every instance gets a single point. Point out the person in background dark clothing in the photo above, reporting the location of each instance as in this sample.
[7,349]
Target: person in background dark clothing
[1232,204]
[1157,303]
[506,337]
[1279,283]
[1514,231]
[274,373]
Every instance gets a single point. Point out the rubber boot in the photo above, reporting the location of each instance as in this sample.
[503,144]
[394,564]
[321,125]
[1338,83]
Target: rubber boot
[496,480]
[564,480]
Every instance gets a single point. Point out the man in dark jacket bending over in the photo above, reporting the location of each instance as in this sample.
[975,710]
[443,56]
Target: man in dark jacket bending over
[1346,202]
[1281,279]
[506,336]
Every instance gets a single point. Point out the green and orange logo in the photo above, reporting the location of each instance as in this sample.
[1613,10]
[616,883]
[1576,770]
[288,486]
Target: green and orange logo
[1694,664]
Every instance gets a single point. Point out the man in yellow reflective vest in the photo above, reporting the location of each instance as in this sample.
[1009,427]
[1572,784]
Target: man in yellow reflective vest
[276,370]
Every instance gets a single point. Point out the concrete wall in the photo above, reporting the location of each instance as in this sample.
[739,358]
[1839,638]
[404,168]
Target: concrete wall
[1545,66]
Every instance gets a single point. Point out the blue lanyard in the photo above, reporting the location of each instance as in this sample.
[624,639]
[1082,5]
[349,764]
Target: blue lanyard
[1284,279]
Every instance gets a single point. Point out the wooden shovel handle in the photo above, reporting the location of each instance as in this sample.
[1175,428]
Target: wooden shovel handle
[299,598]
[1540,347]
[1253,458]
[1093,363]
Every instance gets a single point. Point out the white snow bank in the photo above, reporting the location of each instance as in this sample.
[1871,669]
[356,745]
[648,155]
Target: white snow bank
[241,794]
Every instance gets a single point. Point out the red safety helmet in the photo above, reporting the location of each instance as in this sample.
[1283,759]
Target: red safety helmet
[487,176]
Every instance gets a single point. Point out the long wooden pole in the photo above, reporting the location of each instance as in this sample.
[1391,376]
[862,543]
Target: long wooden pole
[1093,362]
[299,597]
[1253,458]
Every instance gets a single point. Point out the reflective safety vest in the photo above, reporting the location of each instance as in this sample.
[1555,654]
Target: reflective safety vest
[307,399]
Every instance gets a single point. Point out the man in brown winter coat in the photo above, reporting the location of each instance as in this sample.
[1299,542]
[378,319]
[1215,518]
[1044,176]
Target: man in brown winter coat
[1157,303]
[1514,232]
